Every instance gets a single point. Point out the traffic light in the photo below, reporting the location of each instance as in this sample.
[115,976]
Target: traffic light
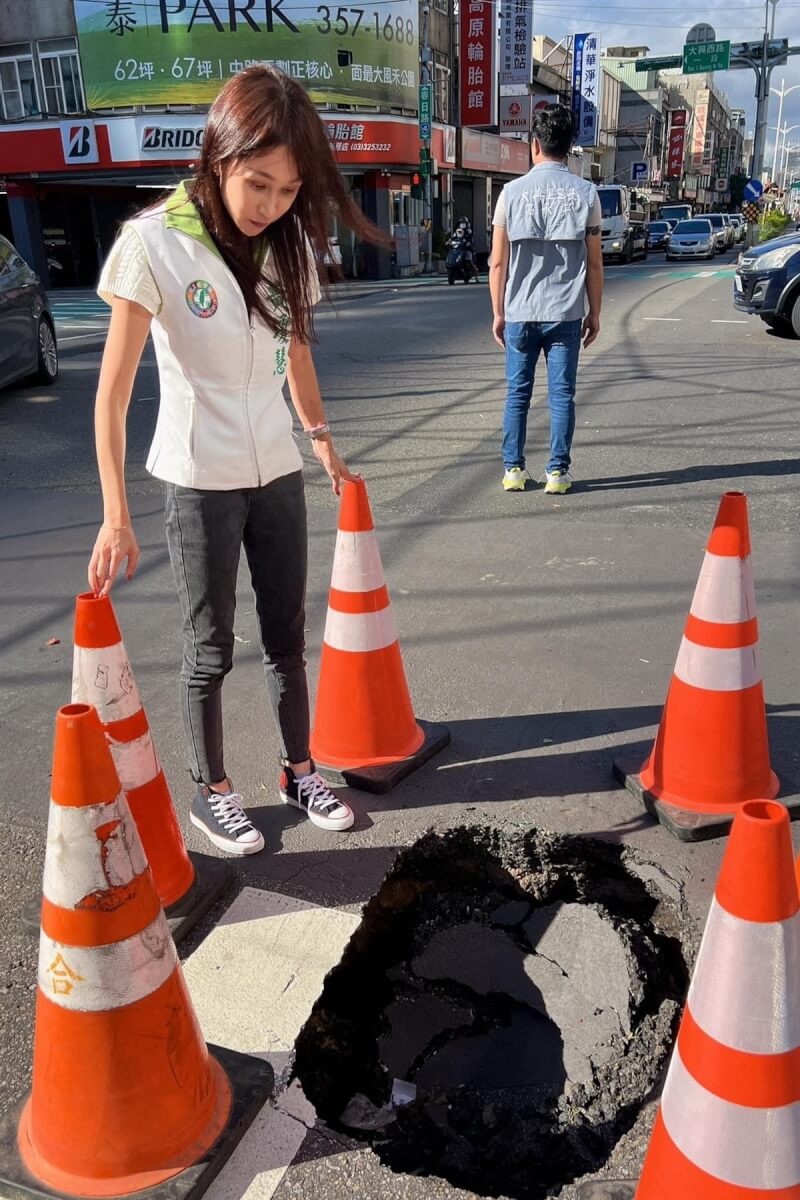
[416,186]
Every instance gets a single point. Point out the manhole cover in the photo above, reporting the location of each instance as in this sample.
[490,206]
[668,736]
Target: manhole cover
[502,1011]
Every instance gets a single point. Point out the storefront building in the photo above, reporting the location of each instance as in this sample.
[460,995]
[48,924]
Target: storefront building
[97,120]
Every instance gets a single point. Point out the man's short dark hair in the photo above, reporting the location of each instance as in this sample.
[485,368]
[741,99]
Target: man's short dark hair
[553,128]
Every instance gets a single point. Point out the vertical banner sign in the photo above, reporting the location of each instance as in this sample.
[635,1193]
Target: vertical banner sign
[477,66]
[699,131]
[677,138]
[587,78]
[517,42]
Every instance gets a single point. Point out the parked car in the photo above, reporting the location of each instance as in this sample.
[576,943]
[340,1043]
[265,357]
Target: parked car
[658,235]
[27,332]
[730,229]
[692,239]
[767,283]
[720,231]
[741,226]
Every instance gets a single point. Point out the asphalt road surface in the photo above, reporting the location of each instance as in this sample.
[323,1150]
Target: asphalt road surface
[542,630]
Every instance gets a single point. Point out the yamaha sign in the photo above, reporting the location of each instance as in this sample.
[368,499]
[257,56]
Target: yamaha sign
[161,138]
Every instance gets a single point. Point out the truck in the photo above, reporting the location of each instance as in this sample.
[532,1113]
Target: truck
[624,224]
[676,212]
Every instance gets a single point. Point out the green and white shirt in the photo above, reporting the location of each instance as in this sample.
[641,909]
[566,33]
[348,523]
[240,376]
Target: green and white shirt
[223,421]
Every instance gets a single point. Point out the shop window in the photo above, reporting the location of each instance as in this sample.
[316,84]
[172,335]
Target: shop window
[405,209]
[62,76]
[19,96]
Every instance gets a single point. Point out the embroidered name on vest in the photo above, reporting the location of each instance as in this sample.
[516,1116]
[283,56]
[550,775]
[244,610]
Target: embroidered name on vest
[550,200]
[201,298]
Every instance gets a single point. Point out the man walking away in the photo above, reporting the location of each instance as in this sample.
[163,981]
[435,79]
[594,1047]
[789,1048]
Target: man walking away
[546,283]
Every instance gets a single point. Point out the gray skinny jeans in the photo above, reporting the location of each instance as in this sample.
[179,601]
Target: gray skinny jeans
[205,533]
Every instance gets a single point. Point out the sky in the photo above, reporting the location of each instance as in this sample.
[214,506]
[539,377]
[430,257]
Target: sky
[664,27]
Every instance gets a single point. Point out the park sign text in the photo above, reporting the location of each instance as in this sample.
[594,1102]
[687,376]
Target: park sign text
[183,51]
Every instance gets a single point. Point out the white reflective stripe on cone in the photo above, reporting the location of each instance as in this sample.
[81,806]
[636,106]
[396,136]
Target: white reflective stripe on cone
[755,1148]
[79,860]
[136,762]
[718,670]
[102,977]
[754,965]
[360,631]
[357,563]
[725,591]
[104,678]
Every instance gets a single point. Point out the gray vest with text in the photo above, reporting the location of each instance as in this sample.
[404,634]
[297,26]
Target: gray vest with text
[547,212]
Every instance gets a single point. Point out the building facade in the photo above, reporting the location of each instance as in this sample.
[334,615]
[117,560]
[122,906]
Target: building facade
[102,107]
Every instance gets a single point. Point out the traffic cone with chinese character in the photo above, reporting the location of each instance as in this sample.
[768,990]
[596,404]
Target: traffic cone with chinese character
[102,676]
[365,733]
[711,753]
[727,1126]
[125,1094]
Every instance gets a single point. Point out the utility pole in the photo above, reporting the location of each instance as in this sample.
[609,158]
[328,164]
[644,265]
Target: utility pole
[426,82]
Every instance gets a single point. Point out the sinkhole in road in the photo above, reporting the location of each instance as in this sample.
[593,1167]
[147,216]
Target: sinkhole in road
[503,1010]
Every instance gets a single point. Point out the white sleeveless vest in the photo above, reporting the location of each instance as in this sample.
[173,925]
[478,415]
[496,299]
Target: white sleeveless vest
[223,422]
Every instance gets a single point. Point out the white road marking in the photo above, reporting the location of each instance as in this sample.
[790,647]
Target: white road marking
[720,321]
[662,318]
[703,274]
[254,981]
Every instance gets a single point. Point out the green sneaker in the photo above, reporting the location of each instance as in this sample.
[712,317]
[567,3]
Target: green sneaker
[557,482]
[514,479]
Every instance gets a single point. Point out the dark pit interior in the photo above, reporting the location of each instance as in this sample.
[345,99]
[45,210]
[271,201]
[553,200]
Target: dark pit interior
[505,1007]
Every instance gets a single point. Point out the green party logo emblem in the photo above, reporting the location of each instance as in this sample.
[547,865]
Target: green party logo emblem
[201,298]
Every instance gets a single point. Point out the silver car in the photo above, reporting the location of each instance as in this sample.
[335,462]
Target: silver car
[692,239]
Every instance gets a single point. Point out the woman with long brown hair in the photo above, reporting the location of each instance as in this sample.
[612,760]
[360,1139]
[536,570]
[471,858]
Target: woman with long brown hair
[223,275]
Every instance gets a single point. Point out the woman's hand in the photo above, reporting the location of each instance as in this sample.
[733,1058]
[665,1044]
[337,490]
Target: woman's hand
[112,548]
[337,471]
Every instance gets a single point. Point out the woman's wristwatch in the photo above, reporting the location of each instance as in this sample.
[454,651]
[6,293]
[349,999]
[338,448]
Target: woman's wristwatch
[318,431]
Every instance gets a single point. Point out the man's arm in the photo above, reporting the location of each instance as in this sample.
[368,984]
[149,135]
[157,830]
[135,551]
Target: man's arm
[594,284]
[498,277]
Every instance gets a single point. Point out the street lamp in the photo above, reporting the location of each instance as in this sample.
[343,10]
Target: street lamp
[789,151]
[783,91]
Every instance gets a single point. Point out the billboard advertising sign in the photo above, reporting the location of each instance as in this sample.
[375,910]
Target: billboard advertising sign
[515,114]
[677,137]
[516,42]
[181,52]
[587,78]
[477,70]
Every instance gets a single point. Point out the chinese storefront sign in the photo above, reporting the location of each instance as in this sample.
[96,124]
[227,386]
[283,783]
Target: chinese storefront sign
[477,69]
[587,78]
[699,130]
[515,114]
[516,40]
[183,51]
[677,137]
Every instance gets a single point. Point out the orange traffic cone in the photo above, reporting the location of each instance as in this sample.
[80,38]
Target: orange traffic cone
[102,676]
[711,753]
[727,1128]
[125,1094]
[365,733]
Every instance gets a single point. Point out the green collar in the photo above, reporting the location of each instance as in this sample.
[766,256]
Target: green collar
[181,213]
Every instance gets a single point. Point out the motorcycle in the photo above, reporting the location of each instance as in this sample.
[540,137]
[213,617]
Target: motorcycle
[459,261]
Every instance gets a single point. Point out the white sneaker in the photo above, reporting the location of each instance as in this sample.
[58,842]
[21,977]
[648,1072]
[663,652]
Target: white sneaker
[557,482]
[514,479]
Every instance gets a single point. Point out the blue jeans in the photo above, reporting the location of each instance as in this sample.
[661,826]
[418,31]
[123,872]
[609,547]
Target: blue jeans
[561,343]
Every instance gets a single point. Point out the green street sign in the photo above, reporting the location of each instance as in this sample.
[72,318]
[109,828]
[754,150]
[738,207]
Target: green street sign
[658,64]
[425,106]
[795,185]
[706,56]
[424,161]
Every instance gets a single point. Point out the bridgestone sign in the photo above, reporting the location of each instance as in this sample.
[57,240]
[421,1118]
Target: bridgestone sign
[157,137]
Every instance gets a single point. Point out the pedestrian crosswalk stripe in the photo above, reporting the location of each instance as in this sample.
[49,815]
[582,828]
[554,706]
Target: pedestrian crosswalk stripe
[254,981]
